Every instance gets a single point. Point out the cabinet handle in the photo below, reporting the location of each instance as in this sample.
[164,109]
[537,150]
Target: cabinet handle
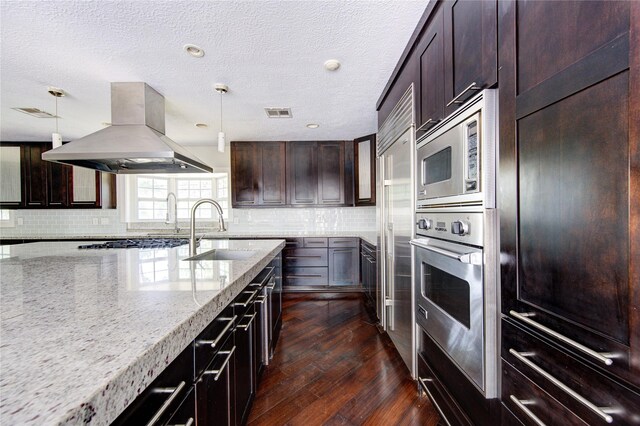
[597,410]
[433,400]
[522,404]
[247,325]
[249,299]
[304,276]
[304,257]
[219,371]
[261,299]
[188,423]
[174,392]
[603,357]
[456,100]
[429,121]
[215,341]
[341,241]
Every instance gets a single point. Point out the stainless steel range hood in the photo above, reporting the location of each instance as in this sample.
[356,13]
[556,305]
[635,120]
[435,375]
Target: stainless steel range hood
[135,143]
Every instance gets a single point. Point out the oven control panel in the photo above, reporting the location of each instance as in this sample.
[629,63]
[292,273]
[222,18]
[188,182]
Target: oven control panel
[461,227]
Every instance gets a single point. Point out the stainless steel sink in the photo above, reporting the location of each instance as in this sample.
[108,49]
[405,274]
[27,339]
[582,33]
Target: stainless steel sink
[223,254]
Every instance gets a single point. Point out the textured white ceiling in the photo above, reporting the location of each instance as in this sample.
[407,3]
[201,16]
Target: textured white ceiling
[270,53]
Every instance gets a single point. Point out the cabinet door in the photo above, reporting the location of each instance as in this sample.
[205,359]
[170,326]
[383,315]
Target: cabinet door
[331,173]
[470,29]
[569,215]
[215,390]
[302,173]
[343,267]
[57,184]
[271,184]
[244,174]
[365,170]
[84,187]
[245,364]
[10,176]
[431,95]
[35,175]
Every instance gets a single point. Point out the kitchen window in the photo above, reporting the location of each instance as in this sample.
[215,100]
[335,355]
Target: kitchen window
[148,196]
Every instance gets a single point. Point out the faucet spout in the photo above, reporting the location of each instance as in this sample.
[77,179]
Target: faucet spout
[175,211]
[192,236]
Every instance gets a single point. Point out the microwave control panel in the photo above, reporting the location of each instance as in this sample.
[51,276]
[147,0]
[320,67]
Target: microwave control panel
[471,153]
[459,227]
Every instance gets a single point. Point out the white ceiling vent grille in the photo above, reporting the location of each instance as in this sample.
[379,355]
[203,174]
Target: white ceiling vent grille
[35,112]
[278,112]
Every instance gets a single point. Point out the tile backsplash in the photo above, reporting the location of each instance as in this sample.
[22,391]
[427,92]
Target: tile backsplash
[108,222]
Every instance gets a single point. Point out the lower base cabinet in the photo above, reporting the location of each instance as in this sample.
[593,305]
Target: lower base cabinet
[214,380]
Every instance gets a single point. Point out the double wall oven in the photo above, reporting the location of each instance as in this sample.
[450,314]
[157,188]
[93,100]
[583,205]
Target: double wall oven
[456,244]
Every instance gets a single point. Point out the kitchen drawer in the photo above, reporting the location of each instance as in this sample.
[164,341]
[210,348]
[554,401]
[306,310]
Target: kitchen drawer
[163,397]
[208,343]
[563,376]
[315,242]
[306,276]
[344,242]
[368,249]
[305,257]
[438,395]
[526,401]
[294,242]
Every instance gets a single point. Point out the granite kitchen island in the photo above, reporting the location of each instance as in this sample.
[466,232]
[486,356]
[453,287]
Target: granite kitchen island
[85,331]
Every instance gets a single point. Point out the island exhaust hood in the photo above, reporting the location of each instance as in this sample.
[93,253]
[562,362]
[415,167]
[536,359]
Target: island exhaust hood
[135,143]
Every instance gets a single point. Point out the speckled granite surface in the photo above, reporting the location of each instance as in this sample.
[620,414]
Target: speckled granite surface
[369,236]
[85,331]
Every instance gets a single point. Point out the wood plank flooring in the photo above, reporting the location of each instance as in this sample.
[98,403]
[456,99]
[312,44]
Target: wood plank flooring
[333,367]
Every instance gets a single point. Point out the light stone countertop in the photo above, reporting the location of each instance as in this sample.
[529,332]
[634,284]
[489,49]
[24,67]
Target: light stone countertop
[368,236]
[83,332]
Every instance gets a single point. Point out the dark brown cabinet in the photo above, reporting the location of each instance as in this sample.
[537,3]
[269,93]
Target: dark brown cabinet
[431,96]
[258,174]
[43,184]
[302,173]
[368,270]
[344,267]
[569,143]
[470,49]
[331,173]
[365,170]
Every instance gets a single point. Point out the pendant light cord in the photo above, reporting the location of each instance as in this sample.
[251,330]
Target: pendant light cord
[221,111]
[56,114]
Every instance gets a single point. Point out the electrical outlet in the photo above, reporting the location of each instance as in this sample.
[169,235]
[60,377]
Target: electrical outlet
[94,221]
[20,221]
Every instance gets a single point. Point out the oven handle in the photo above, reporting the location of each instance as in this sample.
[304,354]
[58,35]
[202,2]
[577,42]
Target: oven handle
[473,258]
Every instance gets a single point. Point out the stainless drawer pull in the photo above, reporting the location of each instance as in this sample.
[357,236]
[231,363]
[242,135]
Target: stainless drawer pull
[247,325]
[597,410]
[472,86]
[261,299]
[215,341]
[432,399]
[249,299]
[188,423]
[174,392]
[522,404]
[305,276]
[304,257]
[219,371]
[426,123]
[605,358]
[341,241]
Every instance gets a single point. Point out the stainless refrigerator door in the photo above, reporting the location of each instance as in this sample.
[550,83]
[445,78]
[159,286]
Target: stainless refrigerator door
[397,227]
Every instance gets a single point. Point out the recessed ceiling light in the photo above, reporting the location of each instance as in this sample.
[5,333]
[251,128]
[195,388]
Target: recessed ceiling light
[193,50]
[332,64]
[313,125]
[201,125]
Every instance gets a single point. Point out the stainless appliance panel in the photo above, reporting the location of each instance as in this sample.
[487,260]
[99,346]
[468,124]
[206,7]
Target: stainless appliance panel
[450,302]
[397,232]
[444,224]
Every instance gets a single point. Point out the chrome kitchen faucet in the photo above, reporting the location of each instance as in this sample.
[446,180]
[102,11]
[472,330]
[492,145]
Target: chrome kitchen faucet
[192,236]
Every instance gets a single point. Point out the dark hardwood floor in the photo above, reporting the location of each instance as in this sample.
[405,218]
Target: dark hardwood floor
[333,367]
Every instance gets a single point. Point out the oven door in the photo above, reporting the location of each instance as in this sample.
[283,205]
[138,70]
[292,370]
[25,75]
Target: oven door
[449,301]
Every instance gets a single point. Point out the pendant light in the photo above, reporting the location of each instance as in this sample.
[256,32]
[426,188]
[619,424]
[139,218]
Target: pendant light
[56,137]
[222,89]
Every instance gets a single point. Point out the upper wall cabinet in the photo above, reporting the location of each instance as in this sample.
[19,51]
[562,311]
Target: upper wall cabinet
[365,170]
[34,183]
[307,173]
[470,49]
[258,174]
[431,96]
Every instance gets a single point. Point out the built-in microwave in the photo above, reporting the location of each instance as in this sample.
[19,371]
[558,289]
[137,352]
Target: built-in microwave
[456,161]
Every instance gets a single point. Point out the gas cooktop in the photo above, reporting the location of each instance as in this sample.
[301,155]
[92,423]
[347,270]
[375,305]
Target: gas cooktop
[142,243]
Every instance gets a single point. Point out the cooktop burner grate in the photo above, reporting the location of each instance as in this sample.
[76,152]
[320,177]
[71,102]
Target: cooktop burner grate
[143,243]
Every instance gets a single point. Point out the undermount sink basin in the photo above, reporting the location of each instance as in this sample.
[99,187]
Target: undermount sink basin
[223,254]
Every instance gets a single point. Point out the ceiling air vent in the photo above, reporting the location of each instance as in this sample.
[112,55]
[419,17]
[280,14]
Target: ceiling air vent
[35,112]
[278,112]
